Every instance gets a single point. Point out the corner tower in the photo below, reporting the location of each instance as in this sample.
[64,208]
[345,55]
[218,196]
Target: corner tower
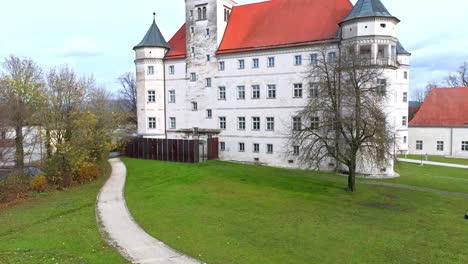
[151,103]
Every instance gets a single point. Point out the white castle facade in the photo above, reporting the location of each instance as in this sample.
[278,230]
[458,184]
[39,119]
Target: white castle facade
[239,72]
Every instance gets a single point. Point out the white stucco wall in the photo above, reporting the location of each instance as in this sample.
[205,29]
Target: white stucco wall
[452,138]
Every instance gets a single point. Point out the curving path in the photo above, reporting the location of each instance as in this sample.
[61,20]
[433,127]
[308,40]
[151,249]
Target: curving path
[123,232]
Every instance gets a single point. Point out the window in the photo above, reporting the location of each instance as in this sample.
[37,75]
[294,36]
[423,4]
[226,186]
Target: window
[405,139]
[193,76]
[464,145]
[297,123]
[404,121]
[172,124]
[171,70]
[383,25]
[241,92]
[222,122]
[405,75]
[256,123]
[192,30]
[208,57]
[221,65]
[199,11]
[255,91]
[222,146]
[271,62]
[152,122]
[172,96]
[227,14]
[151,96]
[256,148]
[193,50]
[313,59]
[207,31]
[381,88]
[241,123]
[194,106]
[271,91]
[440,146]
[332,57]
[270,123]
[270,148]
[209,113]
[419,145]
[241,147]
[296,150]
[298,90]
[191,13]
[315,122]
[241,64]
[405,97]
[314,90]
[298,60]
[208,82]
[150,70]
[204,12]
[255,63]
[222,93]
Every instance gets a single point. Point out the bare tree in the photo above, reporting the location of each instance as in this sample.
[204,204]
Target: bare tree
[344,119]
[460,78]
[128,95]
[21,93]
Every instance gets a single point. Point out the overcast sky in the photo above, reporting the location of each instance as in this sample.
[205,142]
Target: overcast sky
[97,36]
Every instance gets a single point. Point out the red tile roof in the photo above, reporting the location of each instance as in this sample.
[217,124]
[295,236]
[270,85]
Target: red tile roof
[443,107]
[275,24]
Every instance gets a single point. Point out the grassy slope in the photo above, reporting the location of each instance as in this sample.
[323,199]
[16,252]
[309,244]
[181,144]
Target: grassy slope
[58,227]
[437,159]
[230,213]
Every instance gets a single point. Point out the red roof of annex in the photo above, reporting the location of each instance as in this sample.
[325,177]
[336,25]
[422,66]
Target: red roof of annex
[443,107]
[274,24]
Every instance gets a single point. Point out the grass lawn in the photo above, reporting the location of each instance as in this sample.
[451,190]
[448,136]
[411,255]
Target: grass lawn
[58,227]
[437,159]
[223,212]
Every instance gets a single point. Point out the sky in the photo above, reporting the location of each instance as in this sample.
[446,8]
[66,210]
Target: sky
[97,37]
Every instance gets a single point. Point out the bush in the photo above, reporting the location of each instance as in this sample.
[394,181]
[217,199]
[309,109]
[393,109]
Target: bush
[14,187]
[88,172]
[38,183]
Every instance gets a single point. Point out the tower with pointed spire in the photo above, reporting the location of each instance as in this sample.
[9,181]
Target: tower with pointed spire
[151,103]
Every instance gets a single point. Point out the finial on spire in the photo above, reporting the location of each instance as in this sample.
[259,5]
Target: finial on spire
[154,16]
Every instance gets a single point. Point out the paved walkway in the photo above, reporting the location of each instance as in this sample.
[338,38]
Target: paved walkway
[122,231]
[435,163]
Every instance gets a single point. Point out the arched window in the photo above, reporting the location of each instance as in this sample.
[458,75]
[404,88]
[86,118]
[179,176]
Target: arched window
[204,12]
[199,14]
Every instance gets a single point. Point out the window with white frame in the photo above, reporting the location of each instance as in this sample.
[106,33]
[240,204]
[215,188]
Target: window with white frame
[404,121]
[464,146]
[419,145]
[209,113]
[271,91]
[208,82]
[241,123]
[297,123]
[255,91]
[221,65]
[192,30]
[152,96]
[298,60]
[270,123]
[241,64]
[222,146]
[405,75]
[405,139]
[193,77]
[315,122]
[256,123]
[241,92]
[208,57]
[314,90]
[270,148]
[256,148]
[207,31]
[172,123]
[222,122]
[152,122]
[405,97]
[381,88]
[222,93]
[313,59]
[171,69]
[150,70]
[271,62]
[255,63]
[440,146]
[298,90]
[172,96]
[241,147]
[332,57]
[296,150]
[194,106]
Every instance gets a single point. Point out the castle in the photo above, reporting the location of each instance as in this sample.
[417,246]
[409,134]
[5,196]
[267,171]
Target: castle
[236,72]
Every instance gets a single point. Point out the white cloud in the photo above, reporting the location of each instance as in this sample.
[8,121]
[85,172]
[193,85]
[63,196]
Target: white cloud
[80,46]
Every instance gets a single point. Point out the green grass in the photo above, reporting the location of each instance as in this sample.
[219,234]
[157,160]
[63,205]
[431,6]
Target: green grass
[223,212]
[437,159]
[58,227]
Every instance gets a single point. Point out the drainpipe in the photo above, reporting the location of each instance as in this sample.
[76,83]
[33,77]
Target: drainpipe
[451,142]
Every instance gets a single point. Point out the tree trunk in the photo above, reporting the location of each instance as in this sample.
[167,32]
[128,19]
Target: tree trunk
[19,155]
[352,177]
[48,144]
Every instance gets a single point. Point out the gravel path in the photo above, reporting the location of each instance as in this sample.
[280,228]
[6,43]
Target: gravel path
[122,232]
